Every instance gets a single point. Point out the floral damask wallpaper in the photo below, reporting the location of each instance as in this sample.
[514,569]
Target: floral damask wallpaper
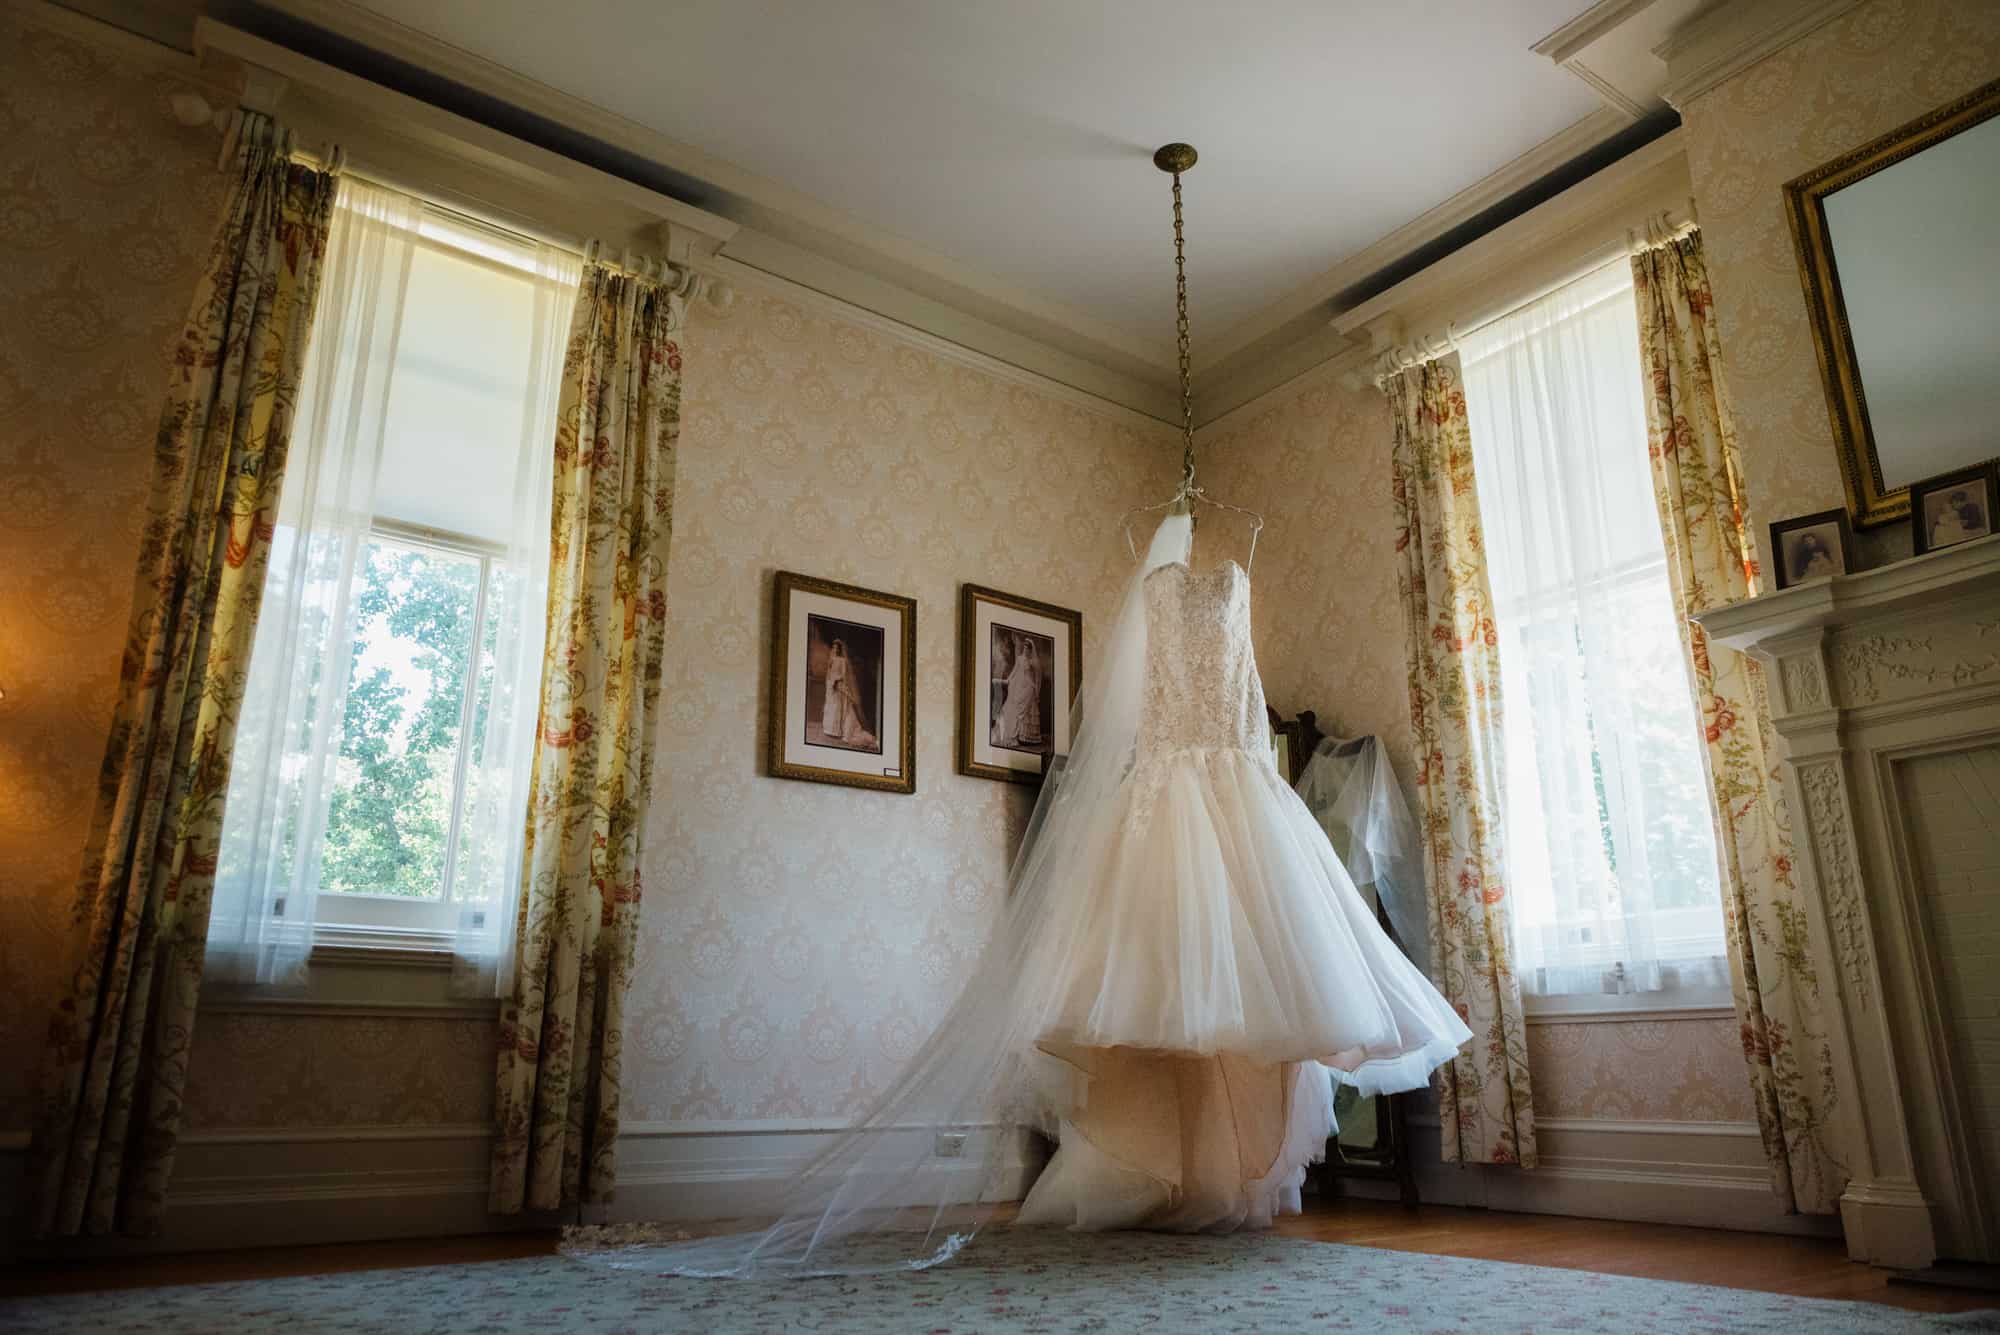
[1876,67]
[1314,459]
[1640,1071]
[106,206]
[799,940]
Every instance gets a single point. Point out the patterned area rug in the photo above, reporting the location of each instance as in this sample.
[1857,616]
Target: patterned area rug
[1033,1280]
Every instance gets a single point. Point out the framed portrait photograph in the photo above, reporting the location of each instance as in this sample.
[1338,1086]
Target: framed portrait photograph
[1812,547]
[843,684]
[1953,507]
[1019,664]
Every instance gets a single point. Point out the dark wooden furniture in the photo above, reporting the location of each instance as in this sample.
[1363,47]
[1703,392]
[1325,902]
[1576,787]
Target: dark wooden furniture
[1388,1157]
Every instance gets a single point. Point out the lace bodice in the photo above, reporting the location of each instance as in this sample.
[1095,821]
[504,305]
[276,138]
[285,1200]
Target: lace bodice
[1202,688]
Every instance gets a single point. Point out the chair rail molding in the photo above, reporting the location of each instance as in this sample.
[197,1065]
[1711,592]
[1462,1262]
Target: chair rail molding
[1885,688]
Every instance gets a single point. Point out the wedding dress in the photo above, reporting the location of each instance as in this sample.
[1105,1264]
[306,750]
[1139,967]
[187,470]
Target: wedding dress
[1020,723]
[840,711]
[1181,961]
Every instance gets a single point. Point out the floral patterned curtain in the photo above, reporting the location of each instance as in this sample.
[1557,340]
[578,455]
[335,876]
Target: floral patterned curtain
[618,419]
[1711,560]
[118,1045]
[1483,1102]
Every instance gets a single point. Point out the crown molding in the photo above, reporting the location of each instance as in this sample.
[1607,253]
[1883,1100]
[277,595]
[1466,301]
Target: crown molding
[1611,47]
[1729,36]
[1251,340]
[790,235]
[1584,227]
[747,279]
[782,233]
[787,232]
[424,149]
[403,138]
[1588,28]
[1344,365]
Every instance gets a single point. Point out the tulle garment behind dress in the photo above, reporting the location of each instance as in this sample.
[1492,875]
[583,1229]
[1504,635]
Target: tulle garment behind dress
[1180,960]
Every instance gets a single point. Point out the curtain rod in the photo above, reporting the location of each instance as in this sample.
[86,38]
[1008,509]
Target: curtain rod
[193,110]
[1661,229]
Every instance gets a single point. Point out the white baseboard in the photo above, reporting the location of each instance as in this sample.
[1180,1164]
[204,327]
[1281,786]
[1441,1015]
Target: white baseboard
[295,1186]
[685,1172]
[1707,1174]
[303,1185]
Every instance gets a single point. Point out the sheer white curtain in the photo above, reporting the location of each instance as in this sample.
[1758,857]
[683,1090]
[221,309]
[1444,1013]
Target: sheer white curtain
[428,409]
[288,742]
[486,869]
[1612,870]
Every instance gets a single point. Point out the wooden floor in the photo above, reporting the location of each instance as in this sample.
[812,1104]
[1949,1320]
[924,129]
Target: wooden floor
[1810,1267]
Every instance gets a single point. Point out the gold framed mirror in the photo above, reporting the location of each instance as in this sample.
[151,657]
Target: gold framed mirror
[1899,252]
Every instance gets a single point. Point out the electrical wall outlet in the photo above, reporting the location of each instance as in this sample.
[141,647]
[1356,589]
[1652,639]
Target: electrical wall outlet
[950,1144]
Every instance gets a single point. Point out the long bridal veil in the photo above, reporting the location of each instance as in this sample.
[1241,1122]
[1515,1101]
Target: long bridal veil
[915,1178]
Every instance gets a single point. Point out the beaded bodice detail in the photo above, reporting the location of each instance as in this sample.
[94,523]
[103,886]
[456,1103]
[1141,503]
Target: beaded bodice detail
[1202,688]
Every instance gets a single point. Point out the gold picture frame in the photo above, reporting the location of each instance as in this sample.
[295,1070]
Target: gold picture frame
[1869,501]
[993,740]
[843,685]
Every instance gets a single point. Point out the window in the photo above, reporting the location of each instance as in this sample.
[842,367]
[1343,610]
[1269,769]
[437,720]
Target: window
[379,786]
[430,596]
[419,697]
[1611,854]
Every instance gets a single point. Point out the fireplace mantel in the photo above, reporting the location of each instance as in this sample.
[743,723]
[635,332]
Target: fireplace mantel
[1885,688]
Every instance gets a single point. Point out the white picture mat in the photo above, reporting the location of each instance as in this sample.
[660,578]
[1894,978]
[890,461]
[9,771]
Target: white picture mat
[984,615]
[889,727]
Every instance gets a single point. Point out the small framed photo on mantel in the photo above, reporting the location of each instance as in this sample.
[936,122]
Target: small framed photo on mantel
[843,685]
[1953,507]
[1019,664]
[1812,547]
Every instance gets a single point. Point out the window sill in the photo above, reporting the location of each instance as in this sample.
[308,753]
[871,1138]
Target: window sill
[381,947]
[358,972]
[1629,1007]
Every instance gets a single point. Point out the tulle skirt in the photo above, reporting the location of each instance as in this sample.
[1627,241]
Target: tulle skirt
[1197,990]
[1215,918]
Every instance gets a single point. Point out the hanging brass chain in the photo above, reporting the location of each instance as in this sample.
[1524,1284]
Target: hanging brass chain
[1181,330]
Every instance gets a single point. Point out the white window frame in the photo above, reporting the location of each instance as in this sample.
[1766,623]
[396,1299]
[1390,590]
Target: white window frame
[349,921]
[1683,1000]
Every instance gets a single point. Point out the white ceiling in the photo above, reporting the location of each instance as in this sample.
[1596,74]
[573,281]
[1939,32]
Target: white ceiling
[1015,138]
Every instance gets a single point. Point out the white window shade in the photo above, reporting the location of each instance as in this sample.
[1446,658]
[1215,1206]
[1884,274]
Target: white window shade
[1612,869]
[456,407]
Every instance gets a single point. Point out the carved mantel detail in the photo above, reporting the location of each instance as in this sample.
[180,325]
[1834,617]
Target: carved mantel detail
[1840,889]
[1867,665]
[1804,683]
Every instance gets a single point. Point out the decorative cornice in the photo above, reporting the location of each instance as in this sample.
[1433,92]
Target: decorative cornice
[1249,338]
[790,235]
[1730,36]
[1587,28]
[1582,228]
